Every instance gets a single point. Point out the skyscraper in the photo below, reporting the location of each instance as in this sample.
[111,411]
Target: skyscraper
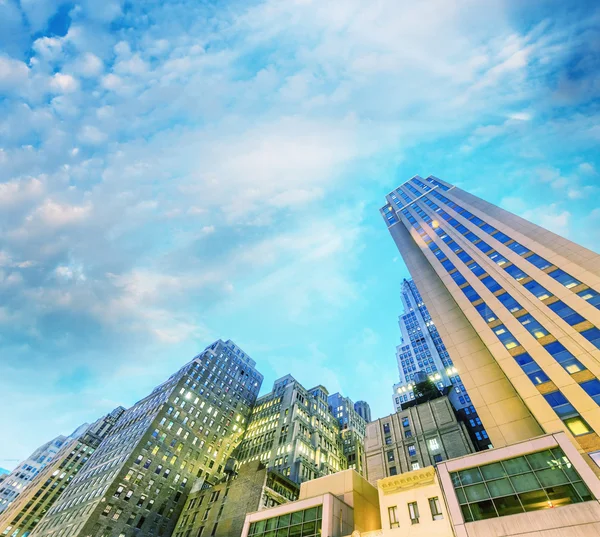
[423,351]
[292,431]
[138,479]
[517,306]
[22,475]
[26,511]
[352,430]
[363,409]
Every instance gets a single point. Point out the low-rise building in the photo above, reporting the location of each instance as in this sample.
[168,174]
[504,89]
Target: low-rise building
[538,487]
[332,506]
[219,510]
[414,438]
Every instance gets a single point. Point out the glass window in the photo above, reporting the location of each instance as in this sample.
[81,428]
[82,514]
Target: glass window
[592,335]
[483,246]
[476,269]
[436,510]
[498,259]
[592,388]
[562,277]
[509,302]
[537,290]
[564,357]
[516,272]
[535,481]
[567,413]
[458,278]
[501,237]
[507,339]
[486,312]
[539,261]
[393,517]
[568,314]
[413,512]
[470,293]
[491,284]
[519,248]
[533,326]
[593,297]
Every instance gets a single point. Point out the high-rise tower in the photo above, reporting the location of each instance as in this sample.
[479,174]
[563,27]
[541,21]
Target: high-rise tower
[423,351]
[517,306]
[137,480]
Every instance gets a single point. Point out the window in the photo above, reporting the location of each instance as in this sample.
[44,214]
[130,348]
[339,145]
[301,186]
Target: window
[567,413]
[507,339]
[405,422]
[390,456]
[535,481]
[393,470]
[509,302]
[386,428]
[433,444]
[487,314]
[491,284]
[306,523]
[393,517]
[407,433]
[412,450]
[498,259]
[562,277]
[593,297]
[413,512]
[592,335]
[476,269]
[519,248]
[415,465]
[537,290]
[516,273]
[533,326]
[539,261]
[564,357]
[458,278]
[436,511]
[566,313]
[592,388]
[470,293]
[437,458]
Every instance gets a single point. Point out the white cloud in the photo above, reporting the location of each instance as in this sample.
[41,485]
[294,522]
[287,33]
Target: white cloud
[587,168]
[56,215]
[63,83]
[13,74]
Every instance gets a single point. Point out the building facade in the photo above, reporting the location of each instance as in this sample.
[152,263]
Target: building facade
[423,351]
[14,483]
[336,505]
[25,512]
[363,409]
[517,305]
[219,510]
[137,480]
[352,430]
[292,431]
[414,438]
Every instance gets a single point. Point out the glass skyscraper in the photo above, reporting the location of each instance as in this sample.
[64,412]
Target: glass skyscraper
[423,351]
[517,306]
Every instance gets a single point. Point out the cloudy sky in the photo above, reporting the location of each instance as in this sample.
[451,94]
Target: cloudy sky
[176,172]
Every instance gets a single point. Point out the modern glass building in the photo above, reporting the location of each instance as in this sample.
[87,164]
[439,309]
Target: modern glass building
[423,351]
[352,430]
[517,306]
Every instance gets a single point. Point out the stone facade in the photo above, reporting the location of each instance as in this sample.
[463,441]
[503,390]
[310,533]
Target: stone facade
[138,479]
[414,438]
[219,510]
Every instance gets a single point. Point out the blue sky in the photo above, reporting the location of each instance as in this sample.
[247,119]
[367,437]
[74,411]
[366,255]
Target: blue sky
[177,172]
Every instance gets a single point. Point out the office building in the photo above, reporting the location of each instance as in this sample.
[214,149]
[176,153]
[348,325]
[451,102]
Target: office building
[352,430]
[517,306]
[538,487]
[363,410]
[414,438]
[292,431]
[337,505]
[137,480]
[25,512]
[219,510]
[22,475]
[423,351]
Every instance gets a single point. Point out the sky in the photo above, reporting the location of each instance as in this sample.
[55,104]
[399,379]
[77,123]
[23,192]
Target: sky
[175,172]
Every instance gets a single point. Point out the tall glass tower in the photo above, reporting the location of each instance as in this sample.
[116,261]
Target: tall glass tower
[517,306]
[423,351]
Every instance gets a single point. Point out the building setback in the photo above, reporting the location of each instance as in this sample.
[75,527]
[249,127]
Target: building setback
[219,510]
[25,512]
[138,479]
[363,409]
[419,436]
[517,305]
[352,430]
[423,351]
[292,431]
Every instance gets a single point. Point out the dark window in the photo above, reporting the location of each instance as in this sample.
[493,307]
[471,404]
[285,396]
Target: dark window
[509,302]
[539,261]
[491,284]
[519,248]
[562,277]
[592,335]
[470,293]
[516,272]
[537,290]
[486,312]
